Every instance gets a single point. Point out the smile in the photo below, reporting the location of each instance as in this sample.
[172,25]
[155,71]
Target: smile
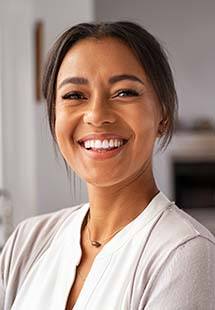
[102,145]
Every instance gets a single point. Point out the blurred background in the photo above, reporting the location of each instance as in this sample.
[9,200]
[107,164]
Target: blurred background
[33,179]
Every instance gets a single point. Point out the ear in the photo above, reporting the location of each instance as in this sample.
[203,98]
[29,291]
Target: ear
[162,127]
[164,120]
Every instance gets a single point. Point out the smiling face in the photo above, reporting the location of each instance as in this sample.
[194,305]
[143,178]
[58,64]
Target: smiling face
[107,114]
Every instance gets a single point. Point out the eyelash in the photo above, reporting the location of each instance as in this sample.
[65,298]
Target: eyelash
[129,92]
[69,95]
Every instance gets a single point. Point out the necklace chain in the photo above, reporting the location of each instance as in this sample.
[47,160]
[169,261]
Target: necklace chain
[98,243]
[95,243]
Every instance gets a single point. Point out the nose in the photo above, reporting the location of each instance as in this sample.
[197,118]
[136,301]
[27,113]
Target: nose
[99,113]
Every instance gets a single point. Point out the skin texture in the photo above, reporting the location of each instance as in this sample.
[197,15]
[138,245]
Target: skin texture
[98,107]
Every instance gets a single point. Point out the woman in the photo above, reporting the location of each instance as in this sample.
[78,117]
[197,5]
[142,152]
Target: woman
[110,97]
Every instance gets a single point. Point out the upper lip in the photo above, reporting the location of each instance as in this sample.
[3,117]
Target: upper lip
[101,136]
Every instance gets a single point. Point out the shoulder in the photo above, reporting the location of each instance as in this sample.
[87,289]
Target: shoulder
[30,239]
[41,225]
[193,245]
[178,263]
[186,277]
[181,227]
[176,231]
[184,240]
[176,227]
[32,231]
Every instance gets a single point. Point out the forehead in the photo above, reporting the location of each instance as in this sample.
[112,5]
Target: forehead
[105,56]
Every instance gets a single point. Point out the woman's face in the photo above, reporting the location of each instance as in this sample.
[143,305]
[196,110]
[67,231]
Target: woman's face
[107,113]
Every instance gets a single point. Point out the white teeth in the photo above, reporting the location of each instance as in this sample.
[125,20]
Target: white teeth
[105,144]
[87,144]
[98,144]
[111,143]
[92,143]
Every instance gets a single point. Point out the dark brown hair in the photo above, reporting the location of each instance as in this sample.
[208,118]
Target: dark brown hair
[146,48]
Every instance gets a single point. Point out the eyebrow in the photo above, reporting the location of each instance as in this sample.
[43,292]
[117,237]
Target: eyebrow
[112,80]
[121,77]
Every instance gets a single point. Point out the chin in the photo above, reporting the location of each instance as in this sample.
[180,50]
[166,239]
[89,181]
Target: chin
[101,180]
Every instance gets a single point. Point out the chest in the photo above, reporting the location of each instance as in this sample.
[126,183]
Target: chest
[73,295]
[112,280]
[109,284]
[82,272]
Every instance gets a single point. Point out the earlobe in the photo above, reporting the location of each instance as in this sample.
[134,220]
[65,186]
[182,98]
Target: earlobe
[162,127]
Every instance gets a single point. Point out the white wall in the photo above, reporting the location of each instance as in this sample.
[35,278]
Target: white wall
[17,121]
[59,15]
[1,102]
[186,28]
[53,186]
[36,181]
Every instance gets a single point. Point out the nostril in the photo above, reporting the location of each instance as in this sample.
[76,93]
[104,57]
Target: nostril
[98,118]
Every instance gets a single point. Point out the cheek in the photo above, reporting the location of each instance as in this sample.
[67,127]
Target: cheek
[144,123]
[145,127]
[60,129]
[63,131]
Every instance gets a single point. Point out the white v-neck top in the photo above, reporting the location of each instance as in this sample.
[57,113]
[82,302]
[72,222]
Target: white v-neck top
[163,259]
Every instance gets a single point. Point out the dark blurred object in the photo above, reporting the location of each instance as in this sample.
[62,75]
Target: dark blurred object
[197,125]
[194,184]
[38,46]
[203,124]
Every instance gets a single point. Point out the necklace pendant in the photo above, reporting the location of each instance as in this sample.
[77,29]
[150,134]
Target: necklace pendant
[95,243]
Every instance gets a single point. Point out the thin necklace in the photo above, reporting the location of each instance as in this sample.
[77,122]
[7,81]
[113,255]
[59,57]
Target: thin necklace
[97,243]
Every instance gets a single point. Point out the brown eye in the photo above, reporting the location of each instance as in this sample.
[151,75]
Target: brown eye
[74,96]
[127,93]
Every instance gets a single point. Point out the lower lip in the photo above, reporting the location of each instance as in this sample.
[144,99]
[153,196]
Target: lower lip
[103,154]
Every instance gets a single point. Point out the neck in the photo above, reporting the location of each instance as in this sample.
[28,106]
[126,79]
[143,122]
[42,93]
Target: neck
[114,207]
